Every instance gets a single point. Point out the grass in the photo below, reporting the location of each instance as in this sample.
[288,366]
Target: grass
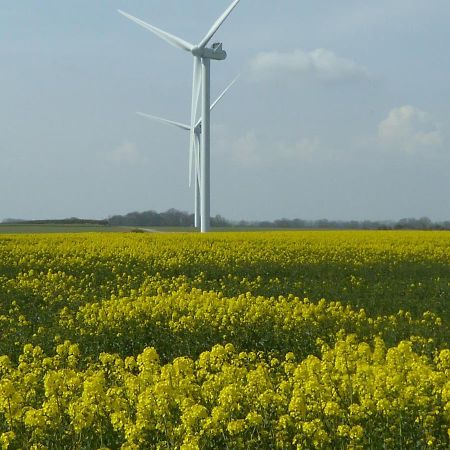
[57,228]
[25,228]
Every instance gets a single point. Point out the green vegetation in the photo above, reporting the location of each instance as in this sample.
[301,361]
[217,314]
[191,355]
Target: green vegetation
[26,228]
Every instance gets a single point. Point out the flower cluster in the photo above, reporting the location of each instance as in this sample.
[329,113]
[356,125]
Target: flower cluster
[353,395]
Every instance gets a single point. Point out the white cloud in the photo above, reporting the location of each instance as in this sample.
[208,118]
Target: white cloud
[246,151]
[409,129]
[302,149]
[126,154]
[320,63]
[251,150]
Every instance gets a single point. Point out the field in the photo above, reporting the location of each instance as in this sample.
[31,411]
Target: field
[19,228]
[287,340]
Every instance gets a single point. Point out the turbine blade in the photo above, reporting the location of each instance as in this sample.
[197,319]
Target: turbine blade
[219,98]
[191,157]
[170,38]
[196,85]
[197,160]
[224,92]
[217,24]
[165,121]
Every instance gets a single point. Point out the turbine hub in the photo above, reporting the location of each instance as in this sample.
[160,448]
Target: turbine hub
[197,51]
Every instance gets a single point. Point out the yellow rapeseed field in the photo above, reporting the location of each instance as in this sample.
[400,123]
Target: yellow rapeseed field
[274,340]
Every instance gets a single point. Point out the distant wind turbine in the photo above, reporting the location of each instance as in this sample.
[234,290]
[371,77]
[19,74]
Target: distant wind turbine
[197,132]
[201,84]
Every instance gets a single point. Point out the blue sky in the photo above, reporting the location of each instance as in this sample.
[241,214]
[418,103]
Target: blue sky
[342,110]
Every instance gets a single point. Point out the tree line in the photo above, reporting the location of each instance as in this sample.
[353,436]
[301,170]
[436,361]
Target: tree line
[170,218]
[176,218]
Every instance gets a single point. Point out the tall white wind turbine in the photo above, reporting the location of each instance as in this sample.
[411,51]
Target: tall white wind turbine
[201,84]
[197,132]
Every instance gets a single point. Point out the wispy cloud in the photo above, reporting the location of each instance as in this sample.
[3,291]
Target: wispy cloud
[410,130]
[301,149]
[250,150]
[321,63]
[126,154]
[246,150]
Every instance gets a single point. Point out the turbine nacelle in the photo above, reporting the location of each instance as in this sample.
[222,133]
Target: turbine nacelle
[215,52]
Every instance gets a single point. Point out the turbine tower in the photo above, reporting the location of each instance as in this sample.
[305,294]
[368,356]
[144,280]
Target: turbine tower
[201,85]
[197,132]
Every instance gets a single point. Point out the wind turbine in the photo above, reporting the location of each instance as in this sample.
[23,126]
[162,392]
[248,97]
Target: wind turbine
[201,84]
[197,132]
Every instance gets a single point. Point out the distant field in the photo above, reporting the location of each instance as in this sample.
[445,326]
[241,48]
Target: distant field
[58,228]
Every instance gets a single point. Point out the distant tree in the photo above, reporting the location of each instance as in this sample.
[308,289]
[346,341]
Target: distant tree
[424,223]
[322,223]
[266,224]
[219,221]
